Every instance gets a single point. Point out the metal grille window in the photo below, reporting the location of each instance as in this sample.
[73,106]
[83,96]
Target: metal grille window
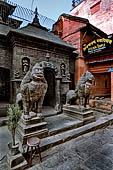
[27,15]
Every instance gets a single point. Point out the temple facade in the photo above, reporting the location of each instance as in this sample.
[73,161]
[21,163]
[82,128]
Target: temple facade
[22,47]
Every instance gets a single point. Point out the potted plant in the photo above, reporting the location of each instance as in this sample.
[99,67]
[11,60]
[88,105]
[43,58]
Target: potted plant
[14,114]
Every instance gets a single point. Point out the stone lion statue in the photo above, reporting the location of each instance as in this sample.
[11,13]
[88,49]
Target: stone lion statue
[81,91]
[33,89]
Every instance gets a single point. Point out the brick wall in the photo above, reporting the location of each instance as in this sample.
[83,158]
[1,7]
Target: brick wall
[98,12]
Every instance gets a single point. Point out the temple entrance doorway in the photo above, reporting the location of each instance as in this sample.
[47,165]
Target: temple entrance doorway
[49,99]
[4,84]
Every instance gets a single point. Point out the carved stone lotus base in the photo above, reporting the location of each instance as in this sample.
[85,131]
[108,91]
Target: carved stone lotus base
[82,113]
[34,126]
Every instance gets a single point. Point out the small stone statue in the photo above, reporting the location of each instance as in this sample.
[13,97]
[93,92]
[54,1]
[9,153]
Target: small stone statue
[81,91]
[33,89]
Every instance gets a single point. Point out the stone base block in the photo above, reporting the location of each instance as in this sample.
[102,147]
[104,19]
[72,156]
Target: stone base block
[35,126]
[16,162]
[84,114]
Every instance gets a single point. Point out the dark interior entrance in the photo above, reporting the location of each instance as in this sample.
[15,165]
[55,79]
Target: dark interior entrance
[4,84]
[50,95]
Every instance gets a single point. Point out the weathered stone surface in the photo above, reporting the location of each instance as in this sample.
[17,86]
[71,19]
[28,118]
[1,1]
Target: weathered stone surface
[82,90]
[16,162]
[35,126]
[84,114]
[88,152]
[33,89]
[80,153]
[61,123]
[65,136]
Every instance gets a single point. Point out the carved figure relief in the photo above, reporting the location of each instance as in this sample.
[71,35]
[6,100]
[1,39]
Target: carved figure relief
[50,65]
[25,65]
[16,74]
[62,68]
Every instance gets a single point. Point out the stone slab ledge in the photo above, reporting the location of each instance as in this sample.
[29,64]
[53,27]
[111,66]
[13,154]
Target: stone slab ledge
[52,141]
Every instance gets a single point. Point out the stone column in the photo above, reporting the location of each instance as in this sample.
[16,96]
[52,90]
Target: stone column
[15,88]
[58,95]
[112,86]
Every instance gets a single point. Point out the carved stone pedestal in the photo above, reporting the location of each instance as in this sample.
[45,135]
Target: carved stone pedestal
[84,114]
[15,159]
[34,126]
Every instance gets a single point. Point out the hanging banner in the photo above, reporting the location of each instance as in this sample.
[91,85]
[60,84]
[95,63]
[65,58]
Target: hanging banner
[97,46]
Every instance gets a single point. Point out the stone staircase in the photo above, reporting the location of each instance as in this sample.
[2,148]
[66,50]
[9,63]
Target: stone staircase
[66,135]
[55,129]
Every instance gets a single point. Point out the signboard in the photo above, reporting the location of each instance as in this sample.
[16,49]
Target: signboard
[110,69]
[97,46]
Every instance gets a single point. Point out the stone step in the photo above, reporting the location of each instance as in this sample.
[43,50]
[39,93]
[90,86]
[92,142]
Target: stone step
[34,120]
[23,137]
[88,120]
[49,114]
[72,125]
[20,166]
[16,161]
[62,122]
[66,127]
[77,114]
[33,127]
[76,107]
[52,141]
[102,110]
[48,111]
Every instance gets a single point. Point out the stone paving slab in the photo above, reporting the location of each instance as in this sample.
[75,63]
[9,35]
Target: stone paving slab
[92,151]
[74,133]
[48,111]
[5,137]
[61,122]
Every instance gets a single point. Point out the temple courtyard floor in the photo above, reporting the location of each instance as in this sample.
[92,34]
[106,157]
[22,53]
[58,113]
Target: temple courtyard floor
[69,147]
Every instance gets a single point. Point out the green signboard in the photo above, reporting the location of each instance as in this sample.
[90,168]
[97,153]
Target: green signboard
[97,46]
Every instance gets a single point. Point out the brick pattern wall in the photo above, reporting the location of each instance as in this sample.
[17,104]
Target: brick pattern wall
[99,13]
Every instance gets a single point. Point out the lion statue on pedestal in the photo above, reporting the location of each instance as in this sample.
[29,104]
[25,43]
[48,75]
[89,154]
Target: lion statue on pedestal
[33,89]
[81,91]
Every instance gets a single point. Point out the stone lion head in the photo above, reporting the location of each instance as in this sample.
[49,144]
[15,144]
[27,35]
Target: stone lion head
[37,72]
